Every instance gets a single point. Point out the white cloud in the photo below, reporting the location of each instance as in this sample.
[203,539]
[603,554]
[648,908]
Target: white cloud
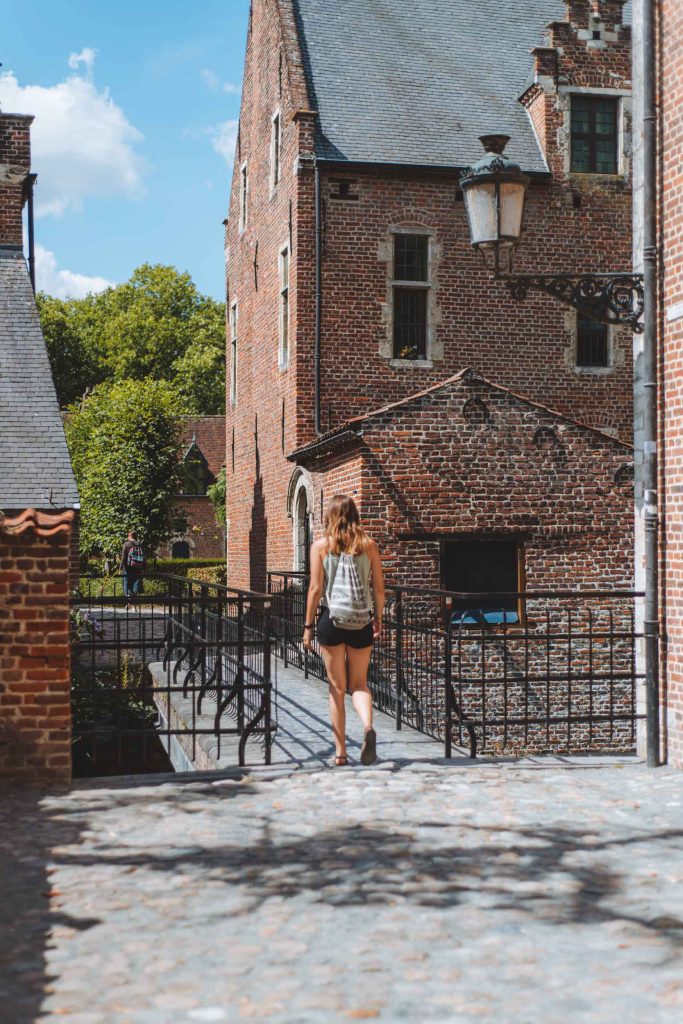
[224,137]
[64,284]
[82,142]
[86,56]
[213,82]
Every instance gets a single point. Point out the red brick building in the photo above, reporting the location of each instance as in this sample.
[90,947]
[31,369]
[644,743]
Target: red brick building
[352,284]
[38,507]
[203,457]
[670,314]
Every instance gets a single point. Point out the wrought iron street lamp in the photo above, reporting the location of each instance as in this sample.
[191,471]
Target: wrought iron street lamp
[495,192]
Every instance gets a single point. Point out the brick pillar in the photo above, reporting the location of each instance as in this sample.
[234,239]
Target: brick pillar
[35,656]
[15,164]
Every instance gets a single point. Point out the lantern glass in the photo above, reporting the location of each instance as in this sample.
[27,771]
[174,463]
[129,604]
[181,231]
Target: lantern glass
[482,211]
[512,194]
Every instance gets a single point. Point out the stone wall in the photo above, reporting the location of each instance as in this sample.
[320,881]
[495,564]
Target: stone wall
[35,680]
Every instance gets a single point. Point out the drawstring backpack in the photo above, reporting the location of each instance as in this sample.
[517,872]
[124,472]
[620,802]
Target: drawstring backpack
[346,596]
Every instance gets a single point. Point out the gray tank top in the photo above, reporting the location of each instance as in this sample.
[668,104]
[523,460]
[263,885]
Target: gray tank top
[330,563]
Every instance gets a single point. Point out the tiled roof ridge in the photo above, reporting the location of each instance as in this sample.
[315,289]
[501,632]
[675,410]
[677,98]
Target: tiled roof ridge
[467,374]
[43,524]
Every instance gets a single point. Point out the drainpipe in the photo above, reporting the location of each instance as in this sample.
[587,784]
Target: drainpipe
[30,185]
[318,294]
[651,517]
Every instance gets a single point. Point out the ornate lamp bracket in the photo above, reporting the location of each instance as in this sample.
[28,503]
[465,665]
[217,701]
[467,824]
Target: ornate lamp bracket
[610,298]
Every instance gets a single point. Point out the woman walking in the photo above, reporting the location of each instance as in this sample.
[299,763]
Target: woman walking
[345,564]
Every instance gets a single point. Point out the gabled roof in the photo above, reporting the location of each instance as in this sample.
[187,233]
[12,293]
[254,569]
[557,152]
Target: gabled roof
[418,81]
[350,431]
[35,469]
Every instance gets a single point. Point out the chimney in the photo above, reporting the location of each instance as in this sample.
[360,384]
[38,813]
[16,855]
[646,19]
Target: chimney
[15,178]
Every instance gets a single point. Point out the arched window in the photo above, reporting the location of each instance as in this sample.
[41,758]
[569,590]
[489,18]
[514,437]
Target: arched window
[180,549]
[303,531]
[195,474]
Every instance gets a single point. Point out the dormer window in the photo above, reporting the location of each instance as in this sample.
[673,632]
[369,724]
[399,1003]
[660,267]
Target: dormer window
[594,135]
[195,474]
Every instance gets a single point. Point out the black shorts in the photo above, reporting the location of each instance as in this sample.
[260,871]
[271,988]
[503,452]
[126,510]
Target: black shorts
[330,635]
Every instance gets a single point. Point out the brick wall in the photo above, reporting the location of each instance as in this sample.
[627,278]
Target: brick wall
[471,459]
[671,241]
[15,164]
[35,690]
[577,222]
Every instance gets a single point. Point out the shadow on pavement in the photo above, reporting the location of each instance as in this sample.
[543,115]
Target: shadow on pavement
[30,838]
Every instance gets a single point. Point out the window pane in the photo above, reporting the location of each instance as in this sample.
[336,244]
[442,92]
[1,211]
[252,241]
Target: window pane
[488,567]
[410,323]
[581,156]
[592,343]
[411,257]
[594,135]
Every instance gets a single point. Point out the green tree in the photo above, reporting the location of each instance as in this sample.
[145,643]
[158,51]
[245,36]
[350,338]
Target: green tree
[216,492]
[124,441]
[157,324]
[76,363]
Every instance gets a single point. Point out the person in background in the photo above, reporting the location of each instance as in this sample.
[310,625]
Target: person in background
[132,566]
[346,573]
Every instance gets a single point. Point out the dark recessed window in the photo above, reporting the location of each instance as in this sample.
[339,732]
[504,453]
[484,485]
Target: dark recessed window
[488,569]
[195,473]
[411,265]
[410,257]
[592,343]
[594,135]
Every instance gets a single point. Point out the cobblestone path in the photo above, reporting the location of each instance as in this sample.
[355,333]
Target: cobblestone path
[421,893]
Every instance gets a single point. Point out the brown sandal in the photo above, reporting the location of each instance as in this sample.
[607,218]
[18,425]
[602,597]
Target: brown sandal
[368,753]
[340,761]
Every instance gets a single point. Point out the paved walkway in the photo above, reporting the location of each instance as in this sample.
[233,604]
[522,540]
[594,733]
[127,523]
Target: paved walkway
[420,893]
[304,736]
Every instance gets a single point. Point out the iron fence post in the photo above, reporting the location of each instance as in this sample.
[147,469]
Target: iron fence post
[399,659]
[240,663]
[267,687]
[449,696]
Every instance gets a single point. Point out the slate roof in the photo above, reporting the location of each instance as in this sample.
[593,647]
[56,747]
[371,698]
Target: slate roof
[350,431]
[418,81]
[35,471]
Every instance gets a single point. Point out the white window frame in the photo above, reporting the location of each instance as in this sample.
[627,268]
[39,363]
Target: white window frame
[284,289]
[233,354]
[244,196]
[275,150]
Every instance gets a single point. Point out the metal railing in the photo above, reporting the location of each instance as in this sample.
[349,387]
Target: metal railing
[524,672]
[209,648]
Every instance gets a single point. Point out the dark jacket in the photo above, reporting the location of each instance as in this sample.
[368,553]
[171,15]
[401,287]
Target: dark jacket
[124,556]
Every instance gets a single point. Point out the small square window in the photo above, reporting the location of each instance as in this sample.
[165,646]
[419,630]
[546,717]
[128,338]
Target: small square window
[487,569]
[594,135]
[411,257]
[592,343]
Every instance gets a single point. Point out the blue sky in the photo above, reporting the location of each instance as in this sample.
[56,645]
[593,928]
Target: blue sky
[136,108]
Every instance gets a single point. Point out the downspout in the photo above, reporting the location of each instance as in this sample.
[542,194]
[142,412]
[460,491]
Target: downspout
[318,295]
[651,516]
[30,185]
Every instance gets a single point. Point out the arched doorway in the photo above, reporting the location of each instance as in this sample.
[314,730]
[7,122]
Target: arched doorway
[180,549]
[303,532]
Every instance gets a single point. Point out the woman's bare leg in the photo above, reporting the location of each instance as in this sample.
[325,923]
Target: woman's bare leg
[358,662]
[335,667]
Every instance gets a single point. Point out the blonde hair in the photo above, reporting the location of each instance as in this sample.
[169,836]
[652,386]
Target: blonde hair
[344,532]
